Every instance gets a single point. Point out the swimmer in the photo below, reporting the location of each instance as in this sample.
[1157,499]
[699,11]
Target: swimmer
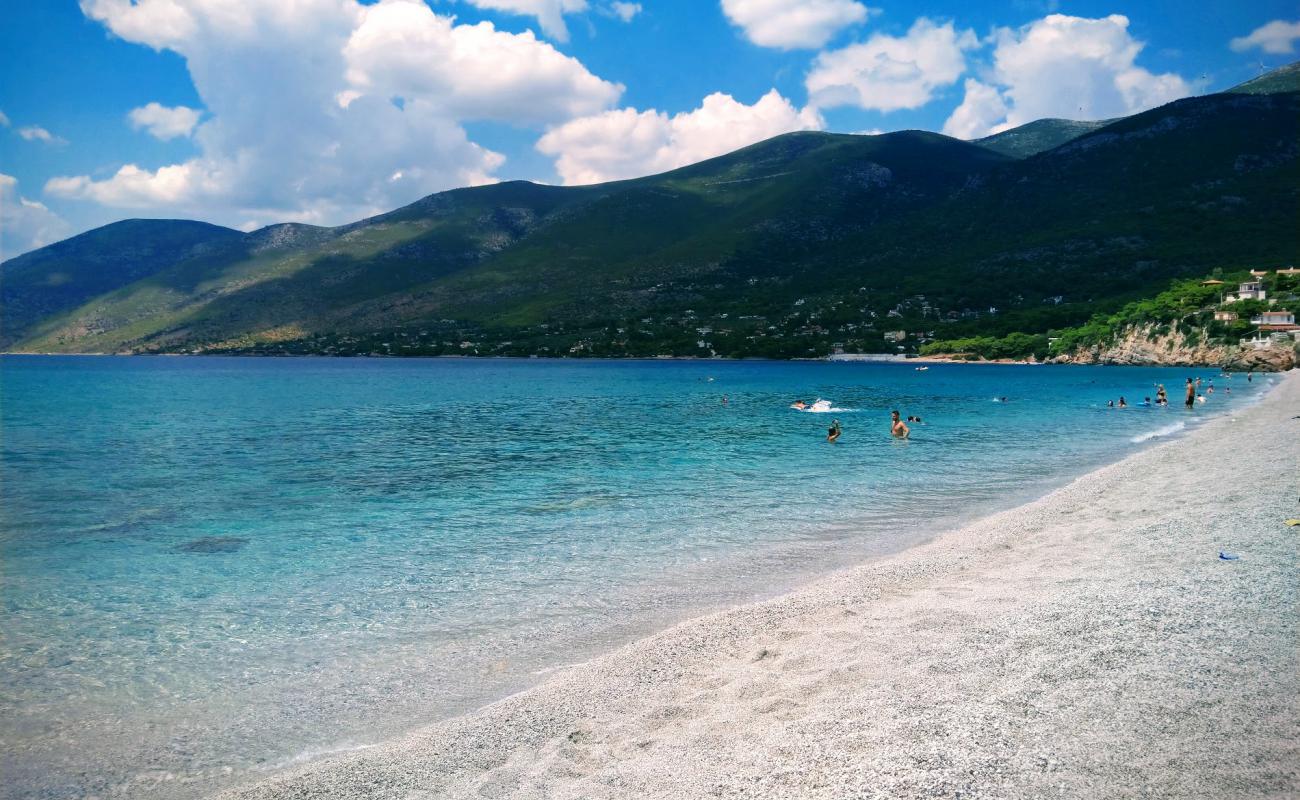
[1110,404]
[799,404]
[896,427]
[1191,393]
[1146,401]
[833,433]
[1122,402]
[724,399]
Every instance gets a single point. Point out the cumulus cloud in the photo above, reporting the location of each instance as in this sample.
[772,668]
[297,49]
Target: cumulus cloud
[888,73]
[626,143]
[1062,66]
[1277,37]
[791,24]
[980,110]
[326,110]
[549,13]
[472,71]
[35,133]
[25,224]
[164,123]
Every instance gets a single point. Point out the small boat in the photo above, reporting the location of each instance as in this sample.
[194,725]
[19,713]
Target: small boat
[922,369]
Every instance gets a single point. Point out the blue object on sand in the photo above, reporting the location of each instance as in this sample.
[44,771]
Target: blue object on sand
[1228,556]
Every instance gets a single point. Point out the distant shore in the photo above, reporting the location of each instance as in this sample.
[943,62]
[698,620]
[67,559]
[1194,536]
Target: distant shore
[863,358]
[1131,634]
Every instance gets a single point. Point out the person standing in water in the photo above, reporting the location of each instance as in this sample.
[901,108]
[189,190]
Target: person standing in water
[897,428]
[1191,393]
[833,435]
[1162,399]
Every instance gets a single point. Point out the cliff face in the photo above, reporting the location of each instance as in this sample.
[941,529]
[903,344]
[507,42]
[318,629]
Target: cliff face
[1139,347]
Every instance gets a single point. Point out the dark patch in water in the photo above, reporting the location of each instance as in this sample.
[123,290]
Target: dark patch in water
[214,544]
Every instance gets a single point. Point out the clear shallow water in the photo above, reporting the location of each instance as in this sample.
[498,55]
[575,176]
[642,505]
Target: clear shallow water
[212,567]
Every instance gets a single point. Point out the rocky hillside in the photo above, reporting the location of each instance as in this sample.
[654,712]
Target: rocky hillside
[1159,346]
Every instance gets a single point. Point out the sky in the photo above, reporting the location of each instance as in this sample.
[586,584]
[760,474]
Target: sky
[249,112]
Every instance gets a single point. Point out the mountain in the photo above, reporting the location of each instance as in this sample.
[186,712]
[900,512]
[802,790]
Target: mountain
[784,248]
[1280,80]
[1038,136]
[65,275]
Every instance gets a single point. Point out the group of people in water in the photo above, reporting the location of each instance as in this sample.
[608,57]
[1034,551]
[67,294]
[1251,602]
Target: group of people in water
[897,428]
[1192,396]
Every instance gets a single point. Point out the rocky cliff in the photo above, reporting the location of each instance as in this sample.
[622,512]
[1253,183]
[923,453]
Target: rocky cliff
[1144,346]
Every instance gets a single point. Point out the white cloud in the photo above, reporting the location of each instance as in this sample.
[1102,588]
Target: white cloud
[625,11]
[313,106]
[25,224]
[627,143]
[549,13]
[4,120]
[1068,67]
[888,73]
[472,71]
[980,110]
[1277,37]
[35,133]
[791,24]
[164,123]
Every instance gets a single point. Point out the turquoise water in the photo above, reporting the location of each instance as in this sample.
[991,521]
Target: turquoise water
[215,566]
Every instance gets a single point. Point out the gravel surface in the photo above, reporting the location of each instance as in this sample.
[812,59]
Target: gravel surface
[1089,644]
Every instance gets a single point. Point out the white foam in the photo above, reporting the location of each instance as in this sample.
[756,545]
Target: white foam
[1158,432]
[313,753]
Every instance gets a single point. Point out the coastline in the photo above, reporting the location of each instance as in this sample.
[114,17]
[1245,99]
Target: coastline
[1088,643]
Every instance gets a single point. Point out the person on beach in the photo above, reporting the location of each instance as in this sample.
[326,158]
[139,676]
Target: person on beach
[897,428]
[1191,393]
[833,435]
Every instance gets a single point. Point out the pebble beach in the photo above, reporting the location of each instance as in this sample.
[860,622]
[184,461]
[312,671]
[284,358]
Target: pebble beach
[1130,634]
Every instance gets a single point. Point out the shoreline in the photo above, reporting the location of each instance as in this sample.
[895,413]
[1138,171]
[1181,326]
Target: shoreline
[908,673]
[925,360]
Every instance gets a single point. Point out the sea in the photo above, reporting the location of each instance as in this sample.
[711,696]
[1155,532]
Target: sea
[213,568]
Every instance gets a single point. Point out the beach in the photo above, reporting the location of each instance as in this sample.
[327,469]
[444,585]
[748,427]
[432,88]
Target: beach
[1092,643]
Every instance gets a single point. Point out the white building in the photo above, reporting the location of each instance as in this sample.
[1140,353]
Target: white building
[1250,290]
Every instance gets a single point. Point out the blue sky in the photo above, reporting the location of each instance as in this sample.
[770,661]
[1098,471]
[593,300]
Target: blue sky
[244,114]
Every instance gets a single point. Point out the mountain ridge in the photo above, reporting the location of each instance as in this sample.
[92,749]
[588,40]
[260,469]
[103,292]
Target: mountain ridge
[840,221]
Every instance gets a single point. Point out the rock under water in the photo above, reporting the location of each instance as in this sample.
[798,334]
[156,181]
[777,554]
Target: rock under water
[214,544]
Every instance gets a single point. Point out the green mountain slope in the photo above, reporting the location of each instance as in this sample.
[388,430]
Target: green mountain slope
[788,247]
[68,273]
[1280,80]
[1038,136]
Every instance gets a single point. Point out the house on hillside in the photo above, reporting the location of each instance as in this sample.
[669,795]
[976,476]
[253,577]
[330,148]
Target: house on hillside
[1258,273]
[1249,290]
[1212,282]
[1275,321]
[1289,271]
[1225,316]
[895,336]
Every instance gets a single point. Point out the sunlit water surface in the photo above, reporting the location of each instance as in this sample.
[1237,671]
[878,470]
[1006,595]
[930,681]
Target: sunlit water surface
[213,567]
